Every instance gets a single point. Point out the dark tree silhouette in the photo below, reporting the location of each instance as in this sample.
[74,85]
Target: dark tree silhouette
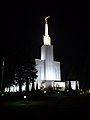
[26,73]
[19,76]
[33,72]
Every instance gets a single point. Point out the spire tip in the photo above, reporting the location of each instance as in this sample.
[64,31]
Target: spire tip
[46,18]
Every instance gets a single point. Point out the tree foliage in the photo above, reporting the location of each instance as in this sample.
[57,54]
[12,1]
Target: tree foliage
[26,74]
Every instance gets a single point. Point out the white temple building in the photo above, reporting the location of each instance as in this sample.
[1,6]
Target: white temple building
[49,71]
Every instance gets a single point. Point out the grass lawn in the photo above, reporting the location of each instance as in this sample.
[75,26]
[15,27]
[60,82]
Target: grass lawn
[48,106]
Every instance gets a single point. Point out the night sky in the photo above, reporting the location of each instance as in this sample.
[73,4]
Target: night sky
[22,31]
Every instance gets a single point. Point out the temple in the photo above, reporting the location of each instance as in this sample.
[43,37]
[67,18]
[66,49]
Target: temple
[48,70]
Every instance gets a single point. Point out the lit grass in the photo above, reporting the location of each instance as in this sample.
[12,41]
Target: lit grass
[23,103]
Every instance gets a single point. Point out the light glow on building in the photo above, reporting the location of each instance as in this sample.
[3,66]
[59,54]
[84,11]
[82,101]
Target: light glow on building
[48,69]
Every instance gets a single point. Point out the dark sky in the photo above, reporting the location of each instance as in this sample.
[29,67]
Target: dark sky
[22,31]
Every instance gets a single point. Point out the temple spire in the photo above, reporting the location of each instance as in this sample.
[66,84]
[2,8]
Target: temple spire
[46,26]
[47,40]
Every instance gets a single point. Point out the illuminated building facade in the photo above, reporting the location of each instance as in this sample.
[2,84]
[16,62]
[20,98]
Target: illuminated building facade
[48,69]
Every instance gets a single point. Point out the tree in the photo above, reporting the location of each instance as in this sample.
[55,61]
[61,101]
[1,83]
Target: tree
[30,74]
[33,74]
[26,73]
[19,76]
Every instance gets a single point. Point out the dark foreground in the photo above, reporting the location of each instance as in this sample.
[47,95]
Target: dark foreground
[47,107]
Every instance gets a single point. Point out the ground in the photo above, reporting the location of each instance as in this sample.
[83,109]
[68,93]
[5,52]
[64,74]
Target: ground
[48,106]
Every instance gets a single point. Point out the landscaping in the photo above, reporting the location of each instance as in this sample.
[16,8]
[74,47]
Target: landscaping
[46,105]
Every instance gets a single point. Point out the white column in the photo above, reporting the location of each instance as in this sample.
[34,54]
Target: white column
[46,29]
[46,38]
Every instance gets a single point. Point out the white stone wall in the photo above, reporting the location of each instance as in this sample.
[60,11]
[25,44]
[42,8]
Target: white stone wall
[56,71]
[73,84]
[47,52]
[47,68]
[40,68]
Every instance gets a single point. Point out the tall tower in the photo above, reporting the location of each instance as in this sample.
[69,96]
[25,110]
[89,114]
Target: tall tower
[47,40]
[47,54]
[48,69]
